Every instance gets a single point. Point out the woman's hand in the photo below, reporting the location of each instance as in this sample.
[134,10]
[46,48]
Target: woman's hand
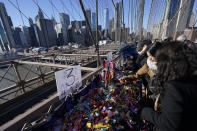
[123,79]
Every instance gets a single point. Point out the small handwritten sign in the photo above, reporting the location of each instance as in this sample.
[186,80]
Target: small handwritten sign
[109,56]
[68,80]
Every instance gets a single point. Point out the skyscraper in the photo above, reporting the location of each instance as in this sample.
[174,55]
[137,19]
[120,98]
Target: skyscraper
[25,31]
[54,21]
[111,25]
[83,23]
[184,15]
[75,24]
[46,31]
[120,12]
[20,38]
[40,14]
[100,27]
[93,20]
[3,41]
[117,15]
[106,18]
[6,33]
[64,18]
[33,34]
[34,37]
[61,28]
[31,21]
[88,13]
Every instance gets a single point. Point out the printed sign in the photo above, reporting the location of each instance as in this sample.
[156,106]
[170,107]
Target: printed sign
[68,80]
[109,56]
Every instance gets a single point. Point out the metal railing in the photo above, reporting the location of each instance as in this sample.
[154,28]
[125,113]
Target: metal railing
[20,76]
[17,79]
[39,108]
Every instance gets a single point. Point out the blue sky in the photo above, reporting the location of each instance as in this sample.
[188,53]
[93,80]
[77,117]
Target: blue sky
[71,7]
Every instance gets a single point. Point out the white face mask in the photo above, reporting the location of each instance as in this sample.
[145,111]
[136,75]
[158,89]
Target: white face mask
[151,65]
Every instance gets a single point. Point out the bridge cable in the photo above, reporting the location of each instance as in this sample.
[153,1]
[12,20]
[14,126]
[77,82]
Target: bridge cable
[74,9]
[53,10]
[18,9]
[20,12]
[36,3]
[62,2]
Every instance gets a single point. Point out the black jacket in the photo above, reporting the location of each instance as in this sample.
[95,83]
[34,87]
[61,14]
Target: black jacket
[130,65]
[141,60]
[179,108]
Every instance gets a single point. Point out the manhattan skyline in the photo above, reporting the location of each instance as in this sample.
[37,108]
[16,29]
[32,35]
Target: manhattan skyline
[30,9]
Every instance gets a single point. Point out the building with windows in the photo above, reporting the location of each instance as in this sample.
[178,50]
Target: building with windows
[46,31]
[117,15]
[110,30]
[93,20]
[20,38]
[64,19]
[25,31]
[88,14]
[61,28]
[106,18]
[4,45]
[6,32]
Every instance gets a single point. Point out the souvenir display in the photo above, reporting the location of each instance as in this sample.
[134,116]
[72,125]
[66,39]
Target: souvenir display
[106,107]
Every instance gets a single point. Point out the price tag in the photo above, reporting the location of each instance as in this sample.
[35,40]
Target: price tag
[109,56]
[68,80]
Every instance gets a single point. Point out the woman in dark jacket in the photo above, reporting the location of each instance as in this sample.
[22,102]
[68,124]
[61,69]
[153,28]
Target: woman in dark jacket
[177,82]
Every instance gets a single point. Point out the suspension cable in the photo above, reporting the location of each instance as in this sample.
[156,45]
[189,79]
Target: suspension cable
[75,9]
[20,12]
[40,8]
[62,2]
[18,9]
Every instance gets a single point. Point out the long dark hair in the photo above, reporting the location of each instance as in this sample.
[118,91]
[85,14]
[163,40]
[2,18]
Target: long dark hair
[175,61]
